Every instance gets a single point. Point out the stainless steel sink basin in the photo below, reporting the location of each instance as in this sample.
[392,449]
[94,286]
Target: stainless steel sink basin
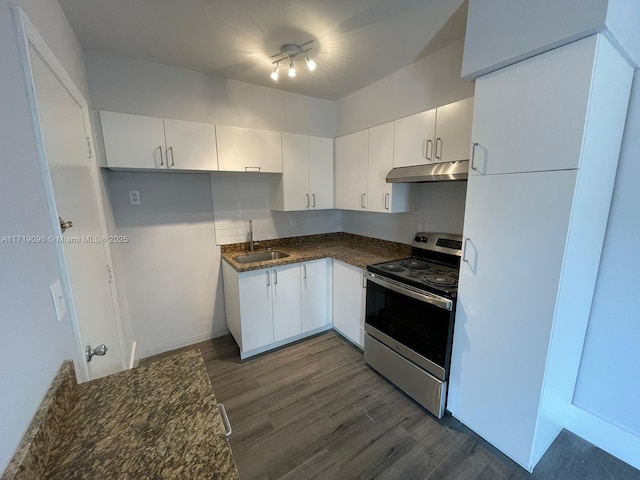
[260,257]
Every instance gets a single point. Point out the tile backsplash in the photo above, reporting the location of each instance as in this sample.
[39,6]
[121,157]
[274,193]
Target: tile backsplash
[240,197]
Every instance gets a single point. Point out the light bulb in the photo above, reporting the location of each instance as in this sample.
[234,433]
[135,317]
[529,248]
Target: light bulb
[274,74]
[311,64]
[292,70]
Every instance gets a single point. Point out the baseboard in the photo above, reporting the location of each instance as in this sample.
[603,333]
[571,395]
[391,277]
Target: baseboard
[609,437]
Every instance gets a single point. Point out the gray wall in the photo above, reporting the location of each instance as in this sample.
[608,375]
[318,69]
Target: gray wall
[27,315]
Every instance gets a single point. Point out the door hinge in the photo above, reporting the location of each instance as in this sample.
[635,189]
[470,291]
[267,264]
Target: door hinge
[110,273]
[89,147]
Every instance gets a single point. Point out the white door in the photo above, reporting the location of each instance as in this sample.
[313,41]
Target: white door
[64,133]
[190,145]
[453,131]
[413,141]
[352,163]
[295,176]
[321,172]
[286,302]
[348,301]
[380,163]
[248,150]
[314,283]
[256,308]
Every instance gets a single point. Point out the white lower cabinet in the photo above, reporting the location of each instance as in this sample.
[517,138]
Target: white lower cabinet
[349,294]
[271,307]
[315,293]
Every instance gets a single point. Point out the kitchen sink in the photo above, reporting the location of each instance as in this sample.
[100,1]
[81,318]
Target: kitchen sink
[260,257]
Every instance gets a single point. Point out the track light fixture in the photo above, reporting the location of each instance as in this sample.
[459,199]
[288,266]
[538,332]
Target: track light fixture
[288,52]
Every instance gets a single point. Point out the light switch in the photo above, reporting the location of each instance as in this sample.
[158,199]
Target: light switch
[59,301]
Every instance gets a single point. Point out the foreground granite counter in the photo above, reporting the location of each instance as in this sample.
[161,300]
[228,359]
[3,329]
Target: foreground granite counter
[159,421]
[349,248]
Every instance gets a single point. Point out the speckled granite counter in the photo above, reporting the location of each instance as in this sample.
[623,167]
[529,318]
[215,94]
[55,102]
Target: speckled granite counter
[353,249]
[159,421]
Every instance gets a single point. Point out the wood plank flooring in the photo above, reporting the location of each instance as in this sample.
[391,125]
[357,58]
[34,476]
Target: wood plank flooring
[314,410]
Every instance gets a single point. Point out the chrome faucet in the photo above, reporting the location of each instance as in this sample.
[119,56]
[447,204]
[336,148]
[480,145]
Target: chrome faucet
[250,236]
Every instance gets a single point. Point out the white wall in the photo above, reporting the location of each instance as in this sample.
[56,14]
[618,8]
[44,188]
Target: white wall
[428,83]
[608,387]
[33,344]
[133,86]
[441,209]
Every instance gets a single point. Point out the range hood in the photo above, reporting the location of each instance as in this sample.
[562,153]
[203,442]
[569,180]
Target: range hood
[430,172]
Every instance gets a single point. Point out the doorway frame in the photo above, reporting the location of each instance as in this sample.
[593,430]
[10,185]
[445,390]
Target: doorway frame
[27,35]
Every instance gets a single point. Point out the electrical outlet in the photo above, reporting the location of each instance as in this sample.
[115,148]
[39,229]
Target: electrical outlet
[294,220]
[59,302]
[134,197]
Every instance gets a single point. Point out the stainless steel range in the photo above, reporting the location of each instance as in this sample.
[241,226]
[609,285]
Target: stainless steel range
[409,319]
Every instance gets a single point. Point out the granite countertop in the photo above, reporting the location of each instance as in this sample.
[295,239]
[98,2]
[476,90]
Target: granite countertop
[352,249]
[158,421]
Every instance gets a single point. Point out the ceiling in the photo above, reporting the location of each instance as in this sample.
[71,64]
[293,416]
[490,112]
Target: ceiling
[356,42]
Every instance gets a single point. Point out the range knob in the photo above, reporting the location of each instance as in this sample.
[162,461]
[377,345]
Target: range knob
[423,239]
[417,238]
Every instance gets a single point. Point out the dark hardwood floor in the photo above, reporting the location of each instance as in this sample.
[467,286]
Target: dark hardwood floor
[314,410]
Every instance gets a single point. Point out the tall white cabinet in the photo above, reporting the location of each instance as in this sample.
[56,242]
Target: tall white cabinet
[546,134]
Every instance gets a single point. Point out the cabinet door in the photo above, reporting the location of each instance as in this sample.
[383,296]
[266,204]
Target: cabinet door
[517,121]
[314,285]
[453,131]
[321,172]
[352,158]
[515,231]
[133,141]
[190,145]
[295,172]
[286,302]
[413,142]
[249,150]
[256,308]
[380,163]
[348,301]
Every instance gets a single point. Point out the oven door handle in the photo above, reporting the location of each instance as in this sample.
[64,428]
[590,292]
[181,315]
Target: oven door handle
[414,293]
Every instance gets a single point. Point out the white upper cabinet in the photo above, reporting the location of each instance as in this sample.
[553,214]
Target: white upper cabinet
[383,196]
[139,142]
[307,177]
[442,134]
[249,150]
[190,145]
[453,131]
[363,160]
[321,172]
[352,163]
[414,137]
[511,103]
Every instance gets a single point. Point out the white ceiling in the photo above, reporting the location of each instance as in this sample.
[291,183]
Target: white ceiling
[356,42]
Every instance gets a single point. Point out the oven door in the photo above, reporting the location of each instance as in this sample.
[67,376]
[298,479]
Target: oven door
[416,324]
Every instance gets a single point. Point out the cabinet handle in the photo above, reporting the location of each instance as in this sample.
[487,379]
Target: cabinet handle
[429,150]
[313,196]
[304,272]
[386,201]
[464,253]
[473,156]
[307,200]
[275,277]
[161,159]
[438,140]
[225,420]
[170,149]
[364,280]
[252,169]
[362,201]
[268,279]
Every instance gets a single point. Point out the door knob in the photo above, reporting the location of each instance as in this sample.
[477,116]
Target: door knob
[100,351]
[65,224]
